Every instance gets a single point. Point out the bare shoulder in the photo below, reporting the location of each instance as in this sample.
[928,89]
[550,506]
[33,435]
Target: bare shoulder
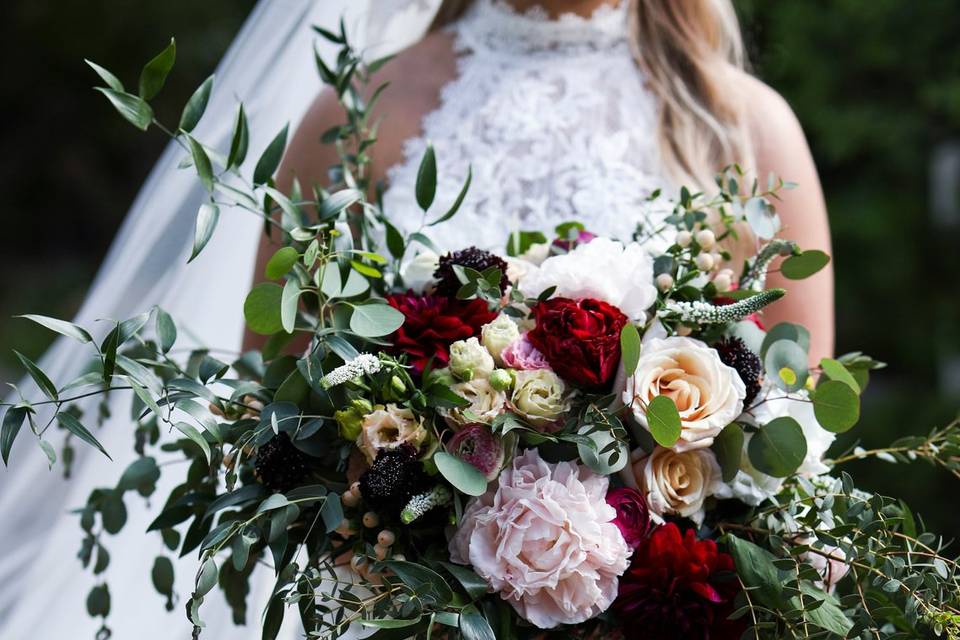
[415,77]
[776,134]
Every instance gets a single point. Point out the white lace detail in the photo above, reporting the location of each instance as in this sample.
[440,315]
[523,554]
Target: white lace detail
[554,119]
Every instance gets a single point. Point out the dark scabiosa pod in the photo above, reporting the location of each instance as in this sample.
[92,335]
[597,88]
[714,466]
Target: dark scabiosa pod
[395,476]
[472,258]
[735,353]
[279,466]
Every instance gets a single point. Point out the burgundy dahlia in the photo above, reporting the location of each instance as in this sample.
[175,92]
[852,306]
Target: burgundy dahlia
[432,323]
[633,516]
[678,588]
[477,259]
[579,338]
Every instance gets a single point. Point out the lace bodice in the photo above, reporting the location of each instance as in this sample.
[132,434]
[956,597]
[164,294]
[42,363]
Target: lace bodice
[555,121]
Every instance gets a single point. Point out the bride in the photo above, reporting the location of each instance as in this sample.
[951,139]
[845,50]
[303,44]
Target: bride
[578,109]
[564,109]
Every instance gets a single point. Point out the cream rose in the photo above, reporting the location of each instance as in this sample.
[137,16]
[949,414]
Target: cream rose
[540,396]
[486,403]
[674,483]
[497,336]
[388,428]
[708,394]
[470,360]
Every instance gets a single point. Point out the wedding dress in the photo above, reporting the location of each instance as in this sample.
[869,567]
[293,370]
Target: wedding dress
[555,122]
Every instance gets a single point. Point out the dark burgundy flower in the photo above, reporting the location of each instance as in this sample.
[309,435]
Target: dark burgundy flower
[579,338]
[678,588]
[633,517]
[394,477]
[735,353]
[432,323]
[477,259]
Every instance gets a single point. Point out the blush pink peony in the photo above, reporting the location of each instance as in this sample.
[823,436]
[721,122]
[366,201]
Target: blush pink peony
[545,540]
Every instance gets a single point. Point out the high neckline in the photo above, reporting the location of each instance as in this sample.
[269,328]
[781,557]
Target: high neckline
[496,24]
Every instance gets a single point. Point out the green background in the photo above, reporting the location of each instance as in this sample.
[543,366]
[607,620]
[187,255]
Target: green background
[876,84]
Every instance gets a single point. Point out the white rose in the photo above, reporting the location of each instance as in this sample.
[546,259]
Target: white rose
[418,273]
[486,403]
[497,335]
[603,269]
[470,360]
[708,394]
[675,483]
[540,396]
[388,428]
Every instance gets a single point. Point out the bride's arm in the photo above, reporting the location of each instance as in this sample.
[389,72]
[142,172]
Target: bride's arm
[309,160]
[780,146]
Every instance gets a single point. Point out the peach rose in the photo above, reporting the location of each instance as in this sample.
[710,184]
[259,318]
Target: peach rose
[674,483]
[708,394]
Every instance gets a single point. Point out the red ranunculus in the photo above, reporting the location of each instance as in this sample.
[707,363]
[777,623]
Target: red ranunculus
[579,338]
[432,323]
[633,517]
[678,587]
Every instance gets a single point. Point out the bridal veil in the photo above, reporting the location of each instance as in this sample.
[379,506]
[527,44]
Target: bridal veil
[43,588]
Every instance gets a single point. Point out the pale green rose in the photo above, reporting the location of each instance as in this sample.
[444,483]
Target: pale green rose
[486,403]
[540,396]
[470,360]
[497,335]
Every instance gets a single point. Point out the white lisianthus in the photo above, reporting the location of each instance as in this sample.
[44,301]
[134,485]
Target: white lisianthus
[752,486]
[470,360]
[418,273]
[389,427]
[497,335]
[540,396]
[708,394]
[674,482]
[621,275]
[486,403]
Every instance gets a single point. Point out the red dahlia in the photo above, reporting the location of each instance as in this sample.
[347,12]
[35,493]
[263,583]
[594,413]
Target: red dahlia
[678,587]
[579,338]
[432,323]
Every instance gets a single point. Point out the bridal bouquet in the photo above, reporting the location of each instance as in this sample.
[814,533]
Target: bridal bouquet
[579,436]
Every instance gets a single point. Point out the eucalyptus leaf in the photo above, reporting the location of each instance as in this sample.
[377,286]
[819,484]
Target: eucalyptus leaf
[804,265]
[836,406]
[728,448]
[133,108]
[60,326]
[195,436]
[461,474]
[74,426]
[375,319]
[46,385]
[629,348]
[456,203]
[154,73]
[112,81]
[166,330]
[835,370]
[196,105]
[270,158]
[474,626]
[289,304]
[281,262]
[261,309]
[663,421]
[240,141]
[785,363]
[426,186]
[207,217]
[778,448]
[12,422]
[201,161]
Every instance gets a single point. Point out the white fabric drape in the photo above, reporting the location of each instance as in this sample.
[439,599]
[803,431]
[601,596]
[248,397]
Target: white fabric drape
[42,585]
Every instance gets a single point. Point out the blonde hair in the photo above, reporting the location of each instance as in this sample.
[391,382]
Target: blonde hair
[692,53]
